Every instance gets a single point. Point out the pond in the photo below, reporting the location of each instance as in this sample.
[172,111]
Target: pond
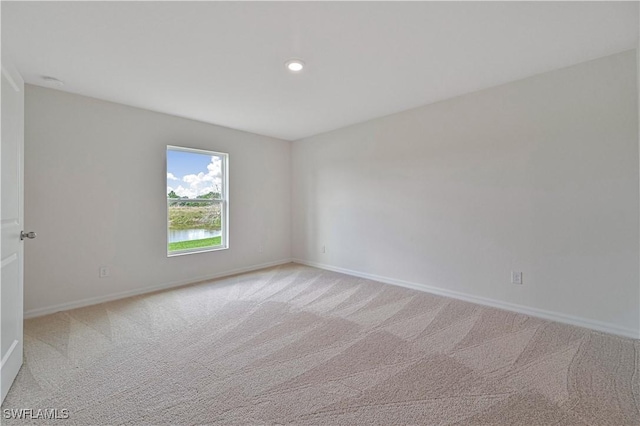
[176,235]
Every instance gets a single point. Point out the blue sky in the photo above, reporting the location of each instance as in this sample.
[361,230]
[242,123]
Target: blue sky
[185,163]
[191,174]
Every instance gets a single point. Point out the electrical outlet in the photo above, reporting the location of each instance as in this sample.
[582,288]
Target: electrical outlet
[260,248]
[516,277]
[104,272]
[324,249]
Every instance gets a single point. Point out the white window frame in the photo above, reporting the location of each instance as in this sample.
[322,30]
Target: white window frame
[224,209]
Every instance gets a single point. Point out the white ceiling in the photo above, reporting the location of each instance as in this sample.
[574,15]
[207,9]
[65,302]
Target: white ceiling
[223,63]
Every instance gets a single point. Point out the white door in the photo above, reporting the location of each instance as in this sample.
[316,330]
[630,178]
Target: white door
[11,217]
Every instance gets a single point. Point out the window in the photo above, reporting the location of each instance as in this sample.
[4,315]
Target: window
[197,201]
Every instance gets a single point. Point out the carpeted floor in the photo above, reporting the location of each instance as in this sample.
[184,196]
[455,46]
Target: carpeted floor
[300,345]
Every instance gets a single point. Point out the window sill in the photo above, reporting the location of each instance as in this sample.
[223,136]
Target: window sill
[196,251]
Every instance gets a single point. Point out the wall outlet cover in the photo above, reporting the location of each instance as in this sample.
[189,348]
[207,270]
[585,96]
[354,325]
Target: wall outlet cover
[516,277]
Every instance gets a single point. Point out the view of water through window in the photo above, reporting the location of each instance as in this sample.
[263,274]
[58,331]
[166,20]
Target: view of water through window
[195,200]
[176,235]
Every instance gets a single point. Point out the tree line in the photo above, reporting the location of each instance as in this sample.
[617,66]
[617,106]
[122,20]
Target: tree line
[184,200]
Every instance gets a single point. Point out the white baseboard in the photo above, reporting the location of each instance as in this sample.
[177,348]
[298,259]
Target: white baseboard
[32,313]
[526,310]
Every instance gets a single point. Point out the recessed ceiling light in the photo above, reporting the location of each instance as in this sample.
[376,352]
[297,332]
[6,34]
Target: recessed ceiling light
[294,65]
[52,81]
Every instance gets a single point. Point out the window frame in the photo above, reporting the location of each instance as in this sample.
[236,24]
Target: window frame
[224,201]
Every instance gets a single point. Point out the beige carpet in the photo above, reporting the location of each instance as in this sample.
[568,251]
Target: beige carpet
[300,345]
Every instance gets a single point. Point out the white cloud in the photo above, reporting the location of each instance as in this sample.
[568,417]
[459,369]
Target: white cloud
[171,176]
[215,167]
[202,183]
[184,192]
[193,180]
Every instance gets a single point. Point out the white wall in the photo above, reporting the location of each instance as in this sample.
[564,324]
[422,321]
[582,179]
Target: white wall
[539,176]
[95,193]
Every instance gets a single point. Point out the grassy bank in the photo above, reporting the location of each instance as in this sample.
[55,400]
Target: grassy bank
[195,217]
[193,244]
